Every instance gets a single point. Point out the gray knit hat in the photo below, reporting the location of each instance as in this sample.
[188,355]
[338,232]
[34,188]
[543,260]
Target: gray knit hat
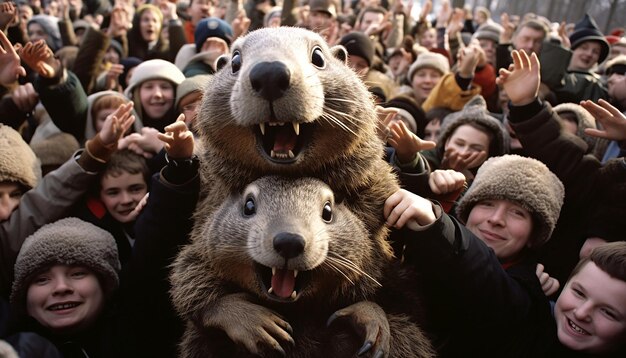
[432,60]
[488,31]
[69,241]
[190,85]
[56,149]
[51,27]
[18,163]
[525,181]
[584,119]
[475,111]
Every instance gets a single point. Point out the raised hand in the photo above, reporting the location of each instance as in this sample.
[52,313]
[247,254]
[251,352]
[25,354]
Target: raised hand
[10,68]
[112,76]
[613,121]
[406,143]
[178,139]
[508,28]
[521,81]
[146,143]
[468,59]
[116,124]
[39,57]
[370,321]
[462,162]
[8,15]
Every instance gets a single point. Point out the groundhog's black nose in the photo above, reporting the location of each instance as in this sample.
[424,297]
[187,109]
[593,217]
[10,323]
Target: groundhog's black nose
[270,79]
[288,245]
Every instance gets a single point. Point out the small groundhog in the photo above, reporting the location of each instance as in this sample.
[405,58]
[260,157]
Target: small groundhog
[280,259]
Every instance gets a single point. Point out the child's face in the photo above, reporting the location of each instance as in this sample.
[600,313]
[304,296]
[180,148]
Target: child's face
[157,97]
[423,82]
[467,139]
[10,195]
[502,225]
[591,312]
[121,194]
[65,298]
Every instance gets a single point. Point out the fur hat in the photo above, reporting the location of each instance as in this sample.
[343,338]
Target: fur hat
[584,119]
[212,27]
[154,70]
[69,241]
[18,163]
[411,112]
[525,181]
[616,65]
[51,27]
[56,149]
[476,111]
[587,30]
[358,44]
[191,84]
[488,31]
[432,60]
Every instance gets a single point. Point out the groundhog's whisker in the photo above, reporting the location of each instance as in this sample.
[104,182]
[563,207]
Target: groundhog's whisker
[352,118]
[335,268]
[332,119]
[351,265]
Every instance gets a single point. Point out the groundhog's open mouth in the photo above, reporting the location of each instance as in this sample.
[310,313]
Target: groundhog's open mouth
[281,284]
[282,142]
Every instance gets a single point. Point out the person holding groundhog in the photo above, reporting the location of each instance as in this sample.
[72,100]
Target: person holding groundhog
[479,279]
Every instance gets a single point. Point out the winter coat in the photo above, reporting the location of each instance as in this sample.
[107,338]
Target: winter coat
[478,308]
[589,185]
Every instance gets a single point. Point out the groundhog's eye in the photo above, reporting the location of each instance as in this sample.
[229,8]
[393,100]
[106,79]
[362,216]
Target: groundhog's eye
[327,212]
[235,62]
[317,58]
[249,208]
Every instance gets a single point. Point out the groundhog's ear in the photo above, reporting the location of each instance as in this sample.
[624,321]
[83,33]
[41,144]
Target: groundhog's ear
[221,62]
[340,53]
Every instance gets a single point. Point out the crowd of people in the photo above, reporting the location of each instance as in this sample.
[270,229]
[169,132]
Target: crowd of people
[507,135]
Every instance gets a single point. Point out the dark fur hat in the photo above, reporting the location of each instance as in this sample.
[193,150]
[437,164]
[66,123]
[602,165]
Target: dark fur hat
[69,241]
[522,180]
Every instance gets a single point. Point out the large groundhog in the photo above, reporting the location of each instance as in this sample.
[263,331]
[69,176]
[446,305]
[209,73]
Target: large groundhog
[286,104]
[279,260]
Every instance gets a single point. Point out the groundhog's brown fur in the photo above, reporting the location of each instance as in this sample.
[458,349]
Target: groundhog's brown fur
[338,265]
[312,90]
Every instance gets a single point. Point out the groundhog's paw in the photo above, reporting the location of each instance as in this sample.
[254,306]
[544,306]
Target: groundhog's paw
[370,322]
[257,328]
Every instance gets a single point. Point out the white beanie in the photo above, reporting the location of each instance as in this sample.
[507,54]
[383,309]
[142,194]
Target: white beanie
[154,70]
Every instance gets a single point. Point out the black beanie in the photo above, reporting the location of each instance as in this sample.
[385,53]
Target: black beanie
[408,104]
[587,30]
[358,44]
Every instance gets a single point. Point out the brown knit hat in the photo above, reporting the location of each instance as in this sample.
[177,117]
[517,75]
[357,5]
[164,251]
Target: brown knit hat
[18,163]
[476,111]
[69,241]
[525,181]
